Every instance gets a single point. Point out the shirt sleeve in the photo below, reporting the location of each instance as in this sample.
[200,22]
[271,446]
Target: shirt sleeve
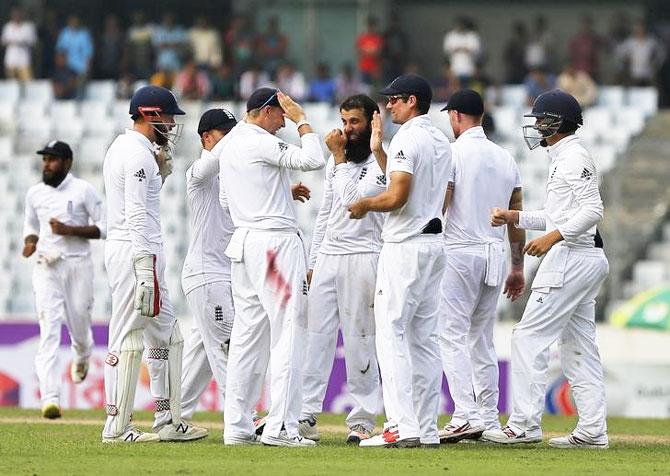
[402,156]
[95,211]
[135,194]
[583,181]
[31,223]
[306,158]
[518,182]
[322,217]
[532,220]
[203,169]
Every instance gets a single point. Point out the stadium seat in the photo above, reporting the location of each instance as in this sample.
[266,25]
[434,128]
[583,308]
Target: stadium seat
[611,97]
[514,95]
[507,121]
[101,91]
[10,91]
[649,273]
[645,99]
[38,90]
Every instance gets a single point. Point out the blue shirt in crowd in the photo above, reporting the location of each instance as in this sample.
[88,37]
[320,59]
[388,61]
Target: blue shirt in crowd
[77,46]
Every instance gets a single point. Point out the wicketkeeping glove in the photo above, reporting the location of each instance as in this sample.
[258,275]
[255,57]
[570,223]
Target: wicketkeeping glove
[147,293]
[164,160]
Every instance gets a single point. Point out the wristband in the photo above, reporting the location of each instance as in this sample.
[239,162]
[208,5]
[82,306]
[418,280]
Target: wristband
[301,123]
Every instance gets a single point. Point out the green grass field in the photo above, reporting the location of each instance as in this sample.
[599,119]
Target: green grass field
[71,445]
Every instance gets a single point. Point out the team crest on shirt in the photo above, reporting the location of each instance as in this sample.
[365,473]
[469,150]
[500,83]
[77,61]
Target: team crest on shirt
[218,313]
[305,287]
[381,180]
[364,172]
[283,147]
[553,172]
[140,175]
[400,156]
[586,174]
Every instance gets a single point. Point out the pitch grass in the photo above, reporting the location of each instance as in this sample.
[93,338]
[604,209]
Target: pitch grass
[72,446]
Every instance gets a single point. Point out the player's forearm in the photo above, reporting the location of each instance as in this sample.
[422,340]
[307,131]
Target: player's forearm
[309,157]
[384,202]
[535,220]
[91,232]
[380,155]
[517,242]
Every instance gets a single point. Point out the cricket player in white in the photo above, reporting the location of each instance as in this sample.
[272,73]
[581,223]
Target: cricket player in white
[268,268]
[206,272]
[475,269]
[342,271]
[410,267]
[141,309]
[562,302]
[61,215]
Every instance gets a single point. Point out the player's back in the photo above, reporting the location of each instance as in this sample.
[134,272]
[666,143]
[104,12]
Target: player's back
[132,189]
[484,176]
[424,149]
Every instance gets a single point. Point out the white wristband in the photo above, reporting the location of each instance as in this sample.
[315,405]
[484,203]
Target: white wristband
[301,123]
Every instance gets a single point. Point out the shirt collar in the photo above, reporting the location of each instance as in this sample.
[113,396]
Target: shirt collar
[66,181]
[144,140]
[555,150]
[422,120]
[476,131]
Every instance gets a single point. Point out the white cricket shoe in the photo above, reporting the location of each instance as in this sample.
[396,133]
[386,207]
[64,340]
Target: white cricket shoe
[78,372]
[132,435]
[182,431]
[259,424]
[454,433]
[571,441]
[357,434]
[389,438]
[51,411]
[308,429]
[242,440]
[507,436]
[285,440]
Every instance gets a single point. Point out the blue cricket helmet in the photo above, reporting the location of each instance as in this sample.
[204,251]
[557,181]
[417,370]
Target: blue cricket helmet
[154,99]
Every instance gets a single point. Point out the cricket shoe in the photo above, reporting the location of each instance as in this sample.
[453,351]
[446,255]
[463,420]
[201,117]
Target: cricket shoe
[182,431]
[507,436]
[389,438]
[242,440]
[571,441]
[51,411]
[132,435]
[285,440]
[259,424]
[78,372]
[454,433]
[358,433]
[308,429]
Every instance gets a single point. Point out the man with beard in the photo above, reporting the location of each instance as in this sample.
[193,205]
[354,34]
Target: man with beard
[134,172]
[342,273]
[61,215]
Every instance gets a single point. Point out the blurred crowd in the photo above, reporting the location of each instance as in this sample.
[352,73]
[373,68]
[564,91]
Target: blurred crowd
[208,63]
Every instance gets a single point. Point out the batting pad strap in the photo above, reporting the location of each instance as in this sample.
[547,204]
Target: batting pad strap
[162,405]
[157,353]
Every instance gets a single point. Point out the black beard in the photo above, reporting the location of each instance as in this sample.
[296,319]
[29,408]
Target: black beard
[358,151]
[53,179]
[160,134]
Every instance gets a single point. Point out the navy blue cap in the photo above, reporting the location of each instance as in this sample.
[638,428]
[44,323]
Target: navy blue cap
[465,101]
[409,84]
[219,119]
[56,148]
[263,97]
[154,99]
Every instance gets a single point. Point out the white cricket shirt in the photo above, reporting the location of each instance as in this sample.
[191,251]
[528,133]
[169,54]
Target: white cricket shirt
[484,176]
[132,187]
[421,149]
[254,175]
[211,226]
[334,232]
[74,202]
[572,202]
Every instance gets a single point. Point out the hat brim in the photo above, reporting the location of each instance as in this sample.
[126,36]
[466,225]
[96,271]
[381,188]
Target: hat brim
[53,153]
[389,91]
[446,108]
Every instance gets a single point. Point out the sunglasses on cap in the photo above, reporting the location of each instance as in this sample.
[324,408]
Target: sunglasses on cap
[394,99]
[268,100]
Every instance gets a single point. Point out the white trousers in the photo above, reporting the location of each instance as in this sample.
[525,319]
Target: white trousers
[565,313]
[63,293]
[342,293]
[205,353]
[466,336]
[407,300]
[157,334]
[270,298]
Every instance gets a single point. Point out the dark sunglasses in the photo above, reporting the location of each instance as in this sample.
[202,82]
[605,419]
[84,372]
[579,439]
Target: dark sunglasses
[394,99]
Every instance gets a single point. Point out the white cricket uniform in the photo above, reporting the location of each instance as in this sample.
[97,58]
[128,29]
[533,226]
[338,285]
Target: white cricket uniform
[562,302]
[407,295]
[344,256]
[484,177]
[268,275]
[63,273]
[132,186]
[205,280]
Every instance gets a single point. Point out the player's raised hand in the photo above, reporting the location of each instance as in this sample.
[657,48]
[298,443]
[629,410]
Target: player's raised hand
[336,141]
[292,109]
[500,217]
[515,284]
[301,192]
[377,132]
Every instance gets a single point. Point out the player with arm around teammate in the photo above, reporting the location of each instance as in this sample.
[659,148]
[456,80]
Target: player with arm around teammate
[562,302]
[342,269]
[61,215]
[410,267]
[268,268]
[475,269]
[135,263]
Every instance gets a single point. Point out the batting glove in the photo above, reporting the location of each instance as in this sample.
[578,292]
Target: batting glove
[147,293]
